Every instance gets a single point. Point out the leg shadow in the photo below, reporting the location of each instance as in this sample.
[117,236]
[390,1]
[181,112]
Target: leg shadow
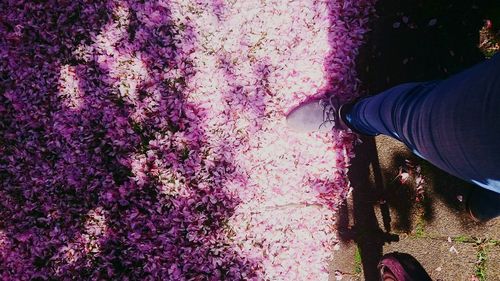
[368,189]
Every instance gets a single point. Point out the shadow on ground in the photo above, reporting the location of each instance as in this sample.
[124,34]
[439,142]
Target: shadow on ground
[94,185]
[410,41]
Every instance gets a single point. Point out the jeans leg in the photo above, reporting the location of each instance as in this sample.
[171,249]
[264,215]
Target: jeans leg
[453,123]
[388,112]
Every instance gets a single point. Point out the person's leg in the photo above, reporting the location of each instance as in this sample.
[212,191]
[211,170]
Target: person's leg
[370,116]
[387,113]
[453,123]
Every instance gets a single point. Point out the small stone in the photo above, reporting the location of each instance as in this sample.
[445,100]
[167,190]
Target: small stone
[405,19]
[432,22]
[453,250]
[396,24]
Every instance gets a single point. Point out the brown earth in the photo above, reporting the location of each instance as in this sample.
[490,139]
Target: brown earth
[415,41]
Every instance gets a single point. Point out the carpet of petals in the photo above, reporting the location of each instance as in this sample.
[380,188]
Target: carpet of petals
[146,140]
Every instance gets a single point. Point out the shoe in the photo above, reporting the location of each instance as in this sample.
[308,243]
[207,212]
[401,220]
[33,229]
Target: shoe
[317,115]
[401,267]
[483,204]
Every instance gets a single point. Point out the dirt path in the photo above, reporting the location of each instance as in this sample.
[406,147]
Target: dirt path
[414,41]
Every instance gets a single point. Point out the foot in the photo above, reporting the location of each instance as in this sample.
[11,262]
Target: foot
[317,115]
[483,205]
[401,267]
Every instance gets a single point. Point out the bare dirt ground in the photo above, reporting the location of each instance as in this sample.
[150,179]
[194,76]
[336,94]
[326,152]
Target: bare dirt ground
[416,41]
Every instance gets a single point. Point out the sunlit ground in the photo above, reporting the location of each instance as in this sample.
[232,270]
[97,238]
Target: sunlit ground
[146,141]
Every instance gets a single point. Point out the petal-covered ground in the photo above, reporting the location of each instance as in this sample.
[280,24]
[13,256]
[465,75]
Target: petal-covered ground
[145,140]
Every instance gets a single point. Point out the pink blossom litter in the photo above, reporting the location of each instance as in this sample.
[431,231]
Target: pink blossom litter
[146,140]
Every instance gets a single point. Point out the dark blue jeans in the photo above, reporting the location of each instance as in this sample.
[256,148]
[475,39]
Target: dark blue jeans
[452,123]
